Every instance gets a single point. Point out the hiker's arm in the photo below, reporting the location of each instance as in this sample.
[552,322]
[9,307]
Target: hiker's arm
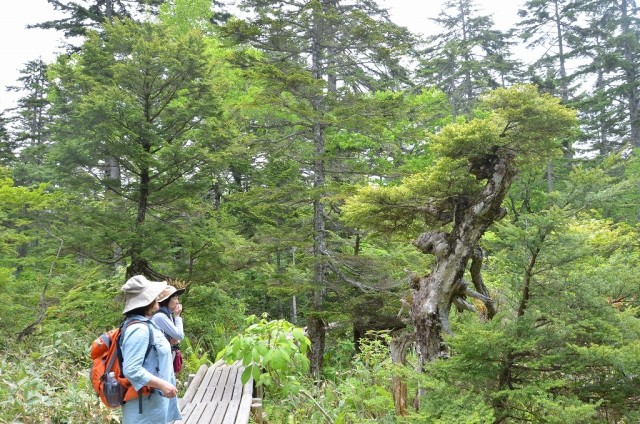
[134,347]
[167,389]
[174,331]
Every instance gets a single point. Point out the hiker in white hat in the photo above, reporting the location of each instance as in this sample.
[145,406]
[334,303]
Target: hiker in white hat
[147,358]
[169,319]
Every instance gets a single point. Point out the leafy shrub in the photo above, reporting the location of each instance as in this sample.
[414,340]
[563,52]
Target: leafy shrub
[45,383]
[272,352]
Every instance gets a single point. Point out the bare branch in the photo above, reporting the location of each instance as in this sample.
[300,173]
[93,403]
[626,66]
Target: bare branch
[354,283]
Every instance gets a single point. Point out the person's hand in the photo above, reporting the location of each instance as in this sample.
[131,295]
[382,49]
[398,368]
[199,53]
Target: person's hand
[178,310]
[169,390]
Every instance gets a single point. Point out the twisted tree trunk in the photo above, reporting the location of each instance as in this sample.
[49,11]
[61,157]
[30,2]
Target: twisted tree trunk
[435,293]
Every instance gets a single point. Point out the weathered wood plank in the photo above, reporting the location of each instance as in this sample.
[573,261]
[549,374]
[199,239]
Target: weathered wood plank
[244,409]
[216,395]
[185,412]
[222,410]
[202,388]
[236,393]
[194,414]
[220,388]
[193,386]
[231,413]
[210,411]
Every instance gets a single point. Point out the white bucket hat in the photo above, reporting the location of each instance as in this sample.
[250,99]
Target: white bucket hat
[168,292]
[140,292]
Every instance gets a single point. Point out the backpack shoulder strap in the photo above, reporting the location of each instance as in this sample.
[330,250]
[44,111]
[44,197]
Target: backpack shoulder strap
[149,346]
[122,329]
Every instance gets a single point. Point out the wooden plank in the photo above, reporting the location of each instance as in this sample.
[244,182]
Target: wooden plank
[217,396]
[237,385]
[208,413]
[202,388]
[185,412]
[193,386]
[242,397]
[244,409]
[220,387]
[232,382]
[194,415]
[231,413]
[220,413]
[213,385]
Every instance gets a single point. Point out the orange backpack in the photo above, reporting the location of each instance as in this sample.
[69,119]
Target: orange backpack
[106,355]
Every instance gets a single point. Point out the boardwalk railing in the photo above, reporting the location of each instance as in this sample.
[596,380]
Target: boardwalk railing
[216,395]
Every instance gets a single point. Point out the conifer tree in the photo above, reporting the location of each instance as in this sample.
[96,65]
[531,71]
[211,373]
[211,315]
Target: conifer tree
[7,146]
[319,52]
[145,95]
[82,17]
[610,41]
[467,58]
[459,197]
[30,131]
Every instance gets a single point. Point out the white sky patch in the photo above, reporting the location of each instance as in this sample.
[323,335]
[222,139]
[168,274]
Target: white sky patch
[20,45]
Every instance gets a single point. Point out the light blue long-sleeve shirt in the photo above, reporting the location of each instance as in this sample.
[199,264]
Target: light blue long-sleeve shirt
[173,329]
[156,409]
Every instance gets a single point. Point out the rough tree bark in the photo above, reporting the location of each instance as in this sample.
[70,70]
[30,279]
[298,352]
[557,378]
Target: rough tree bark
[399,347]
[435,293]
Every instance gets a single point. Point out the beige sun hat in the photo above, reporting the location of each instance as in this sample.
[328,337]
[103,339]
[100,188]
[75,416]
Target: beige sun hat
[140,292]
[168,292]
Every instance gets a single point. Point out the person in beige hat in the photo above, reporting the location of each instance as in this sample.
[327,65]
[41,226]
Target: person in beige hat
[153,369]
[169,319]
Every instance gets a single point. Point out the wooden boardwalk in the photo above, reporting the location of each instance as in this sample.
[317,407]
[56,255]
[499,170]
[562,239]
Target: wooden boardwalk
[216,395]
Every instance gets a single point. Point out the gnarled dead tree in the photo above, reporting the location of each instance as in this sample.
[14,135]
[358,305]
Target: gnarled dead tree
[458,197]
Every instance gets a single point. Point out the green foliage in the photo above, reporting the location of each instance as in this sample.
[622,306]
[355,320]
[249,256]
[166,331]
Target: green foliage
[272,352]
[360,393]
[543,358]
[523,127]
[171,99]
[467,57]
[49,382]
[211,317]
[146,99]
[185,14]
[88,304]
[363,393]
[194,356]
[28,251]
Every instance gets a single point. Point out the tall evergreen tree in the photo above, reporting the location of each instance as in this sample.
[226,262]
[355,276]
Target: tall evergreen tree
[30,123]
[7,146]
[547,24]
[83,17]
[467,58]
[147,96]
[319,51]
[611,42]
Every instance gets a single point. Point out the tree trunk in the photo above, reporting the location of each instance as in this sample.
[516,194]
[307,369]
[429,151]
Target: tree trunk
[435,293]
[431,305]
[399,347]
[630,77]
[316,329]
[505,376]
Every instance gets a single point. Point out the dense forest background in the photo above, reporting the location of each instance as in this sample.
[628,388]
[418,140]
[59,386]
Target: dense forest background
[456,230]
